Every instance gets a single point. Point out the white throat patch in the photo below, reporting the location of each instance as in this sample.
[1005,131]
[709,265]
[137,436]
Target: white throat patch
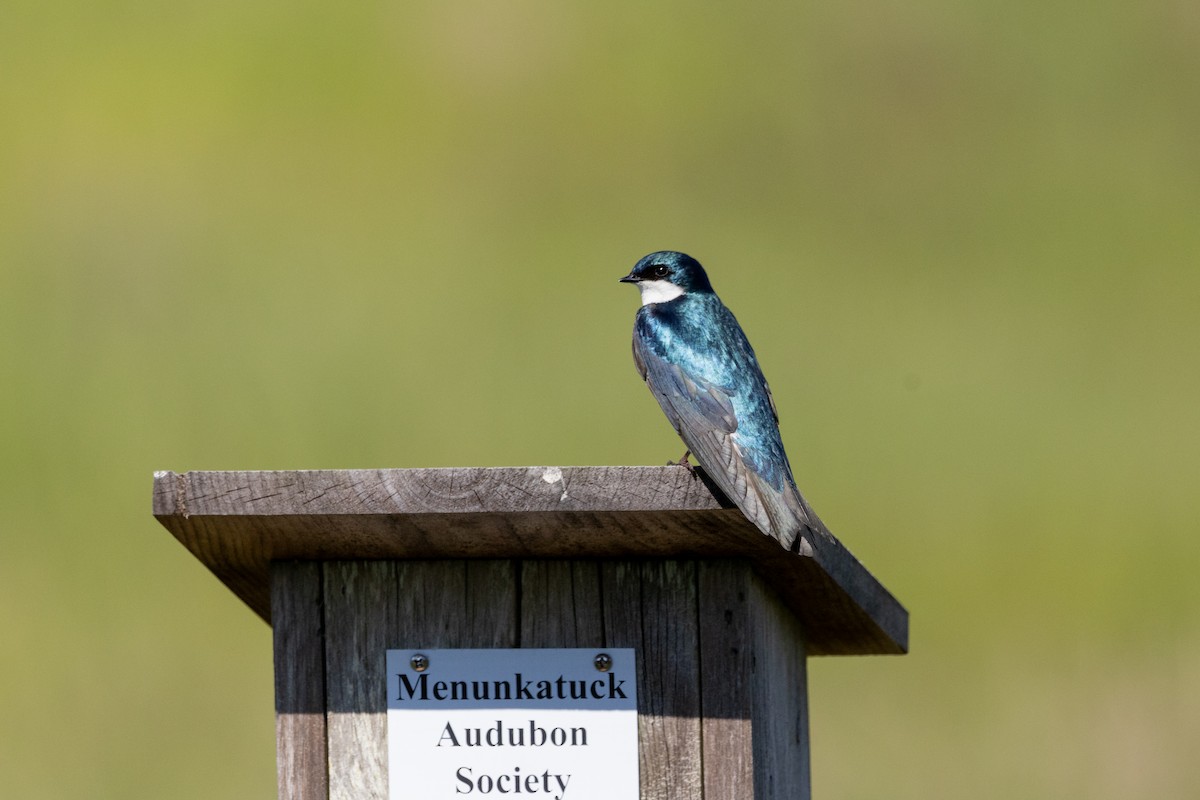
[658,292]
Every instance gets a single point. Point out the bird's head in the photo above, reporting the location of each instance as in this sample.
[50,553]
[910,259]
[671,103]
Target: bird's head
[663,276]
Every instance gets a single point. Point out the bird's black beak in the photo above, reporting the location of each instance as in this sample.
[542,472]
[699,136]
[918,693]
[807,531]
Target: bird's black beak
[630,278]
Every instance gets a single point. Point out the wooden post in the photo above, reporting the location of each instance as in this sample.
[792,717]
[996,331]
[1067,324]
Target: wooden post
[346,564]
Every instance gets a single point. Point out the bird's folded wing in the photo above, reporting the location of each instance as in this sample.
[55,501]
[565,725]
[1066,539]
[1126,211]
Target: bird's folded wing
[690,401]
[704,416]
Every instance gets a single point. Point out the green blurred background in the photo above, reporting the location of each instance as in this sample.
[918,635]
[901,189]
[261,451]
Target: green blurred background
[962,236]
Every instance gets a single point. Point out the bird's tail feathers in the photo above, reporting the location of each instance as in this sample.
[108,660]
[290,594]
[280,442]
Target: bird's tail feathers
[790,519]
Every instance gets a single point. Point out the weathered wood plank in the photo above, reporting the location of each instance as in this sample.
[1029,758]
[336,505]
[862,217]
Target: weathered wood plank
[671,658]
[457,603]
[454,490]
[561,604]
[727,679]
[491,605]
[237,522]
[779,699]
[361,619]
[651,606]
[297,608]
[721,672]
[372,606]
[621,588]
[755,705]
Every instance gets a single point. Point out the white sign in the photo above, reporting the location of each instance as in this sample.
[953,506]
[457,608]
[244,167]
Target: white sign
[512,724]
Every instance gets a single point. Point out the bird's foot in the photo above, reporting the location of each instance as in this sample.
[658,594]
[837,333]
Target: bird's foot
[683,462]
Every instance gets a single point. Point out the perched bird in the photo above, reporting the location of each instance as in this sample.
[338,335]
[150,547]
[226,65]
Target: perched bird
[699,365]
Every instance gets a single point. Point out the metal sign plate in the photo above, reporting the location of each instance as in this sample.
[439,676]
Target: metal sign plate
[519,724]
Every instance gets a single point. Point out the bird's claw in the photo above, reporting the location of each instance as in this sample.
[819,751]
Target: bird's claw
[683,462]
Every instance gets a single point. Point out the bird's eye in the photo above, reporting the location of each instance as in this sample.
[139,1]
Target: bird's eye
[659,271]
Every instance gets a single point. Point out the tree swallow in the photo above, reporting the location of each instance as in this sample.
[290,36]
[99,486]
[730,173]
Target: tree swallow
[699,365]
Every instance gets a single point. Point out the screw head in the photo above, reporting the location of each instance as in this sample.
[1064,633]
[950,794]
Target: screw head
[419,662]
[603,662]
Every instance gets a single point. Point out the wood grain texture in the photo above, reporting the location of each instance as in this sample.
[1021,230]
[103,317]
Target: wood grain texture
[362,619]
[779,703]
[561,604]
[373,606]
[297,606]
[490,602]
[237,522]
[722,708]
[651,607]
[755,704]
[670,745]
[726,679]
